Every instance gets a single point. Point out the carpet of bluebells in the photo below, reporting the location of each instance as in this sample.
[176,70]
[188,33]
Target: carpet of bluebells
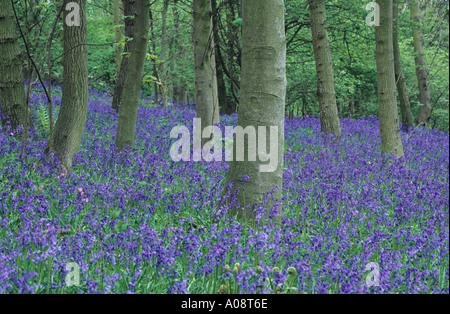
[141,223]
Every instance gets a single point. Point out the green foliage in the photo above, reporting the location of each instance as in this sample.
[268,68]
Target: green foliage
[352,45]
[42,113]
[44,119]
[102,68]
[237,22]
[151,79]
[440,119]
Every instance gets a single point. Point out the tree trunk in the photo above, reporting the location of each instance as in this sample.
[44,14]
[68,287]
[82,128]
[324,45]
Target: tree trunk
[118,33]
[72,116]
[50,73]
[304,104]
[12,89]
[421,71]
[205,64]
[221,87]
[263,92]
[163,72]
[129,11]
[405,107]
[133,81]
[179,86]
[153,51]
[231,34]
[329,118]
[387,100]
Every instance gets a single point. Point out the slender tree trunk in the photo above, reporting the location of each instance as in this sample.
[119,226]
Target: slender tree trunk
[163,72]
[221,87]
[118,33]
[304,103]
[27,106]
[129,12]
[263,92]
[387,100]
[329,118]
[232,35]
[29,77]
[339,106]
[72,116]
[405,107]
[133,81]
[12,88]
[155,70]
[176,95]
[421,70]
[50,73]
[205,64]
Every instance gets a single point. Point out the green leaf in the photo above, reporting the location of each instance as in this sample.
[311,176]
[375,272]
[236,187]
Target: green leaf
[151,56]
[237,22]
[149,78]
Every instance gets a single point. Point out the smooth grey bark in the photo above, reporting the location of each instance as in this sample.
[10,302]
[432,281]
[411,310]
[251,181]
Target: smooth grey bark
[206,99]
[179,87]
[329,118]
[117,12]
[50,72]
[12,88]
[163,71]
[405,106]
[387,99]
[263,93]
[424,115]
[133,81]
[72,116]
[221,87]
[153,50]
[129,12]
[232,35]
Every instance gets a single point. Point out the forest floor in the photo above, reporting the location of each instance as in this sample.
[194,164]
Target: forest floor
[141,223]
